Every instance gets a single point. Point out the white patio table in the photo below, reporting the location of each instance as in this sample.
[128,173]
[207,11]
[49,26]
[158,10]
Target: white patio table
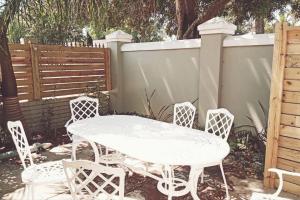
[156,142]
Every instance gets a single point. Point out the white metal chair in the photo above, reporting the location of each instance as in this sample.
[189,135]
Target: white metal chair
[83,108]
[275,196]
[184,114]
[170,185]
[89,180]
[219,122]
[45,173]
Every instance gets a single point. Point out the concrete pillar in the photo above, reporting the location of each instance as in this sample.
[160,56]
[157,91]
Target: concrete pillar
[212,34]
[114,41]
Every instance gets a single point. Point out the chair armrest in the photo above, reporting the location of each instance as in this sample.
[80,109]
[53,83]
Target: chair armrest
[68,123]
[284,172]
[280,174]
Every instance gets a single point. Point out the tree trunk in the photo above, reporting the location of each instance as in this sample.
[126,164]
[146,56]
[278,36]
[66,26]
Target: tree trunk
[11,106]
[9,84]
[180,18]
[186,15]
[212,11]
[259,25]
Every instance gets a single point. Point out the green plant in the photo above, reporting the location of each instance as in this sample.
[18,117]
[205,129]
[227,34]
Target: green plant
[248,145]
[96,91]
[165,112]
[5,138]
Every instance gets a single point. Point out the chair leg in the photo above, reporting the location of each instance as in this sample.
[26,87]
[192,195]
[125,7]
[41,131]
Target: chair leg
[29,192]
[225,182]
[26,192]
[32,192]
[202,176]
[74,146]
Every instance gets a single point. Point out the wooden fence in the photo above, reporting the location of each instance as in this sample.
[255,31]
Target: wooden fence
[283,142]
[53,70]
[46,71]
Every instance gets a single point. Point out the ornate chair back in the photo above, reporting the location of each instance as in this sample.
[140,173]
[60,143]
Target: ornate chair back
[89,180]
[219,122]
[20,140]
[84,107]
[184,114]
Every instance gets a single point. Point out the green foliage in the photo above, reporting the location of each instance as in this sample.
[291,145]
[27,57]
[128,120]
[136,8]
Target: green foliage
[16,31]
[248,150]
[46,22]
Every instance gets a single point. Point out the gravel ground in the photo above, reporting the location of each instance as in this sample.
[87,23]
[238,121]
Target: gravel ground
[137,187]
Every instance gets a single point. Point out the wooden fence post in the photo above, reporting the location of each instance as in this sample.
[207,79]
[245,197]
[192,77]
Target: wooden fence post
[35,71]
[278,65]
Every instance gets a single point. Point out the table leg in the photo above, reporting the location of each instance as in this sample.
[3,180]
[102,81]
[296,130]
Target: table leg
[193,181]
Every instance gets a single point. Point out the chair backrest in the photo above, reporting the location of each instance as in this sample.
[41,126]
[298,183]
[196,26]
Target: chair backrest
[184,114]
[19,137]
[219,122]
[84,107]
[89,180]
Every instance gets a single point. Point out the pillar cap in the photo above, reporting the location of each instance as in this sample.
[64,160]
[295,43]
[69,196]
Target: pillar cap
[118,36]
[217,25]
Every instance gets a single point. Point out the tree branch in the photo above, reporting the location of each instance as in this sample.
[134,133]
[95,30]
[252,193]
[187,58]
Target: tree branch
[213,10]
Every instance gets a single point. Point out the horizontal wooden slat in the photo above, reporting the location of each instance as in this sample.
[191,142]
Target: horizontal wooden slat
[291,97]
[25,96]
[22,69]
[290,108]
[69,49]
[63,92]
[290,131]
[23,75]
[13,47]
[20,54]
[290,187]
[293,48]
[292,73]
[289,154]
[293,61]
[290,120]
[291,85]
[293,36]
[68,54]
[291,143]
[25,90]
[24,82]
[288,165]
[72,85]
[292,179]
[21,59]
[72,79]
[71,73]
[72,67]
[70,60]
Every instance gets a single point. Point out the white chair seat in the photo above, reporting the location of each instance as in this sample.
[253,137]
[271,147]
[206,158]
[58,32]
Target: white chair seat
[260,196]
[48,172]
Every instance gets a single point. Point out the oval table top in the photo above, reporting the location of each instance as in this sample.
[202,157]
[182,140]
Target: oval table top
[153,141]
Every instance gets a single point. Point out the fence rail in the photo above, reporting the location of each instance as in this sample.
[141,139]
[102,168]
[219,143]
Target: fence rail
[54,70]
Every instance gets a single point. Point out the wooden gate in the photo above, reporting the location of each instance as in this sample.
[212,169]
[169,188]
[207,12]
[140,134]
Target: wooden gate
[283,142]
